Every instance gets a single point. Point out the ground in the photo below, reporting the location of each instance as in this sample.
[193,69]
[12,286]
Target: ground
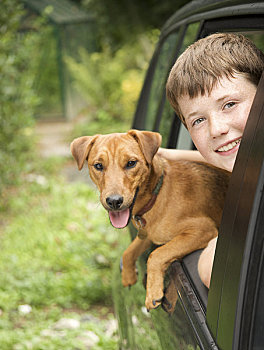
[54,140]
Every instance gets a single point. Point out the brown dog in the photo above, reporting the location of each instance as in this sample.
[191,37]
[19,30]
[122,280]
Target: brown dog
[181,201]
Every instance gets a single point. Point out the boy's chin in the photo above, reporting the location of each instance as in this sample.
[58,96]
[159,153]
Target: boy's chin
[225,162]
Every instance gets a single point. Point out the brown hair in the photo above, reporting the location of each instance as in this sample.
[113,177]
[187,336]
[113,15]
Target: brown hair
[201,65]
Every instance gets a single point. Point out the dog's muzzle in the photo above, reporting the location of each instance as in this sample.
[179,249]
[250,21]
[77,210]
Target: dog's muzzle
[119,216]
[114,202]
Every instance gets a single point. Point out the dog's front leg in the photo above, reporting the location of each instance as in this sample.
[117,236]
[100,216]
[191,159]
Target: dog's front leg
[130,255]
[196,235]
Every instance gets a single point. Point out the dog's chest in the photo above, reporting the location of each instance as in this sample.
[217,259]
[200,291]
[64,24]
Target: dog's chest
[158,234]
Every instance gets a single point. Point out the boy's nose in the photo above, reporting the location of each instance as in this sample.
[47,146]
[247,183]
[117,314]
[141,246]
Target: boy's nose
[218,126]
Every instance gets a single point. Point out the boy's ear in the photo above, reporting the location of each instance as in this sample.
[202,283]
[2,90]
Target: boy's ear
[149,142]
[81,148]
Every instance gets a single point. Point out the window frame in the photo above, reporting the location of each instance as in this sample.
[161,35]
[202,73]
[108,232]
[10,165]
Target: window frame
[142,106]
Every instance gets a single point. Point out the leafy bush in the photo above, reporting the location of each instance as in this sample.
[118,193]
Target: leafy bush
[17,97]
[111,82]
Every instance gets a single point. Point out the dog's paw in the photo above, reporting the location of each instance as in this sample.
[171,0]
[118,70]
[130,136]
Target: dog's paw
[153,299]
[129,277]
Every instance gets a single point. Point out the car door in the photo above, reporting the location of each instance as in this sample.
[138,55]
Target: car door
[230,316]
[229,306]
[220,318]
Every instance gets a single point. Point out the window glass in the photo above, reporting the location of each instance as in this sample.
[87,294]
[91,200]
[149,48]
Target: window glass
[176,331]
[257,38]
[184,141]
[166,55]
[190,36]
[166,122]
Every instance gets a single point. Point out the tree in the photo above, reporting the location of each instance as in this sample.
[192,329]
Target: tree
[121,21]
[17,97]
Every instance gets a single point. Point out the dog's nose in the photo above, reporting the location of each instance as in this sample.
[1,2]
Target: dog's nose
[115,201]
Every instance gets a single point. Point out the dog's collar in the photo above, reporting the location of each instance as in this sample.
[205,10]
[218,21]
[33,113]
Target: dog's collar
[139,220]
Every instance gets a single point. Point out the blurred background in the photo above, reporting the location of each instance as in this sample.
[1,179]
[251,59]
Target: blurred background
[67,68]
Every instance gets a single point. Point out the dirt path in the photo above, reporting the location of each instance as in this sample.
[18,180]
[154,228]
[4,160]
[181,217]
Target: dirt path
[54,140]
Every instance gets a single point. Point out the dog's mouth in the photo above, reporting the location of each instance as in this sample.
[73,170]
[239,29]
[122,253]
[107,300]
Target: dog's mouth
[121,218]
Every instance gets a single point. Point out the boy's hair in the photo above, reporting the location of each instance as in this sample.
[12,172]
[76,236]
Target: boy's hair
[201,65]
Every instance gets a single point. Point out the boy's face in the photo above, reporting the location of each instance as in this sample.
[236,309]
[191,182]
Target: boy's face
[216,122]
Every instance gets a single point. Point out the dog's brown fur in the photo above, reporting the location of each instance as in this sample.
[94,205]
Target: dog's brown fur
[186,214]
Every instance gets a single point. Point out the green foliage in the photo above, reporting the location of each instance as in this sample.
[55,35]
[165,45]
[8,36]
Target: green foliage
[122,21]
[54,248]
[46,70]
[110,83]
[56,255]
[17,98]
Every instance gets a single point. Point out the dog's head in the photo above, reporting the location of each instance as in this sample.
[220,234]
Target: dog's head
[119,164]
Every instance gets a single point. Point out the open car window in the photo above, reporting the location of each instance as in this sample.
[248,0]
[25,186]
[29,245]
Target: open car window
[184,142]
[221,309]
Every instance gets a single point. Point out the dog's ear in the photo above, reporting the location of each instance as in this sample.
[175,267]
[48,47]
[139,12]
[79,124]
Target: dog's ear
[149,142]
[81,147]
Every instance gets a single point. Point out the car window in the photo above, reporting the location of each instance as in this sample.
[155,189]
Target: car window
[257,37]
[166,122]
[178,324]
[190,36]
[184,140]
[167,113]
[166,55]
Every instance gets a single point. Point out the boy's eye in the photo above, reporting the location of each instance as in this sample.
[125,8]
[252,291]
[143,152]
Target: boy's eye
[98,166]
[198,121]
[229,105]
[131,164]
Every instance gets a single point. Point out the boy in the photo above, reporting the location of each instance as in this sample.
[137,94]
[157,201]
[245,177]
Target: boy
[211,87]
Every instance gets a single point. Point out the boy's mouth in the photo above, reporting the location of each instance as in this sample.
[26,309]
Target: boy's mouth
[229,146]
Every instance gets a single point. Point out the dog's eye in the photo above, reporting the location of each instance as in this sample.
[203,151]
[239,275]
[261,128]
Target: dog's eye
[131,164]
[98,166]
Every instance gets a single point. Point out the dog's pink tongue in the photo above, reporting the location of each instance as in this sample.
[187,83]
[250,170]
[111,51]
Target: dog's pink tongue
[119,219]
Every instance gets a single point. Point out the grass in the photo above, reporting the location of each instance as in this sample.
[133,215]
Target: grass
[60,260]
[57,251]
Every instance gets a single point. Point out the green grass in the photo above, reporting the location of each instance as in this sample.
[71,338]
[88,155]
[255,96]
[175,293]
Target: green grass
[57,251]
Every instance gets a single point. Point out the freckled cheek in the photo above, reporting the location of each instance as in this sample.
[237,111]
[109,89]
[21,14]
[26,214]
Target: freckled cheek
[245,118]
[240,119]
[243,125]
[201,142]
